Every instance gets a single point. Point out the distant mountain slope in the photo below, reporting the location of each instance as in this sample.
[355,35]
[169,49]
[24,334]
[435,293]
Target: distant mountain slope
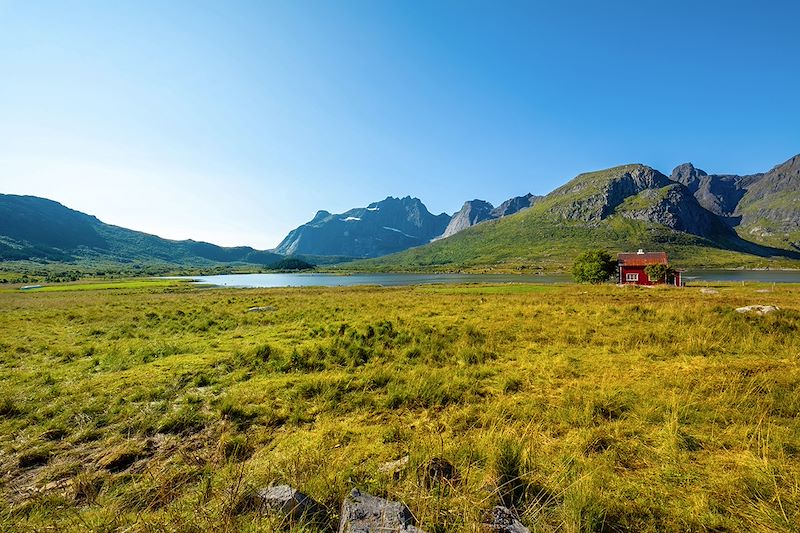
[471,213]
[477,211]
[622,208]
[635,192]
[37,229]
[381,228]
[764,207]
[770,209]
[719,194]
[514,205]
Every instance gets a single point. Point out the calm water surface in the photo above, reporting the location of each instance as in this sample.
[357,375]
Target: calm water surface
[386,280]
[394,280]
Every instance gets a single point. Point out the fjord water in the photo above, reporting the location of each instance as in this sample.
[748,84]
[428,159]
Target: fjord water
[386,280]
[394,280]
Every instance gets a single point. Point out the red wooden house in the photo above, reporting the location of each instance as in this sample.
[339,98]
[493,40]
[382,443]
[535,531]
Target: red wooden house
[632,265]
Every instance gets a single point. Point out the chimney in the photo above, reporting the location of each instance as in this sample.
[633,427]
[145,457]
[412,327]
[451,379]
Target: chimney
[640,252]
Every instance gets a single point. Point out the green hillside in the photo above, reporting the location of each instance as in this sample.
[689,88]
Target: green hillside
[594,210]
[527,241]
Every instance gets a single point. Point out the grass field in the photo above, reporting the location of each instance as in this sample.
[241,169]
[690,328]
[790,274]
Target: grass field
[152,408]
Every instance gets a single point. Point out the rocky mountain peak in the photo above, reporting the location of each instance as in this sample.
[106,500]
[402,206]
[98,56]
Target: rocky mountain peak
[594,196]
[513,205]
[687,174]
[320,215]
[471,213]
[477,211]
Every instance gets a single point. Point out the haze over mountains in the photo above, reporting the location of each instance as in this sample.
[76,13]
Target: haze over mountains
[691,214]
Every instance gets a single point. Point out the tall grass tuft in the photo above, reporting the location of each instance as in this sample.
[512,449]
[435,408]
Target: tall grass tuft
[510,468]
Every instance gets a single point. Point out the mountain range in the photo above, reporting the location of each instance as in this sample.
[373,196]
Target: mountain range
[699,218]
[702,220]
[477,211]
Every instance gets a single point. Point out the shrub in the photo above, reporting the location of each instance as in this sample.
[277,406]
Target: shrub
[658,273]
[593,266]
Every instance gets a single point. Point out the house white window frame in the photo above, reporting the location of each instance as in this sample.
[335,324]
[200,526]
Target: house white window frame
[631,276]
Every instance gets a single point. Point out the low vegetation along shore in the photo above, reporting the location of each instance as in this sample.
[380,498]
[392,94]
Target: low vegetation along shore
[151,408]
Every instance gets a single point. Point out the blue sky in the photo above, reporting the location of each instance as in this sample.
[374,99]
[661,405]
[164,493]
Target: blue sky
[234,122]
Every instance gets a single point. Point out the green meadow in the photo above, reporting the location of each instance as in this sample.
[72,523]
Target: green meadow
[152,406]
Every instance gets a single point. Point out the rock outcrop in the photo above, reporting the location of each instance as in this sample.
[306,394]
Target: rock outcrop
[718,194]
[673,206]
[764,207]
[471,213]
[514,205]
[769,211]
[477,211]
[595,196]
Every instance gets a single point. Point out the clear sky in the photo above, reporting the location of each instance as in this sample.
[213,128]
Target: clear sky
[234,122]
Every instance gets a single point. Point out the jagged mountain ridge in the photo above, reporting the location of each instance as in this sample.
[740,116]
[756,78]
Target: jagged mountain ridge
[635,192]
[381,228]
[763,207]
[623,208]
[477,211]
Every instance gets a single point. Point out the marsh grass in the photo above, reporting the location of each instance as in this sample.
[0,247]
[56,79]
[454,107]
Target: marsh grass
[583,408]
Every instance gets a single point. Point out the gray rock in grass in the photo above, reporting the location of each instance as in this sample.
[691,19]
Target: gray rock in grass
[261,309]
[758,309]
[288,501]
[363,513]
[502,520]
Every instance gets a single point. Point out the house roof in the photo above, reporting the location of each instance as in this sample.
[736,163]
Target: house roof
[642,259]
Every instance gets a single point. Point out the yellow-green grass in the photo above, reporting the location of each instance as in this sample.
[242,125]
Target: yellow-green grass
[588,408]
[505,288]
